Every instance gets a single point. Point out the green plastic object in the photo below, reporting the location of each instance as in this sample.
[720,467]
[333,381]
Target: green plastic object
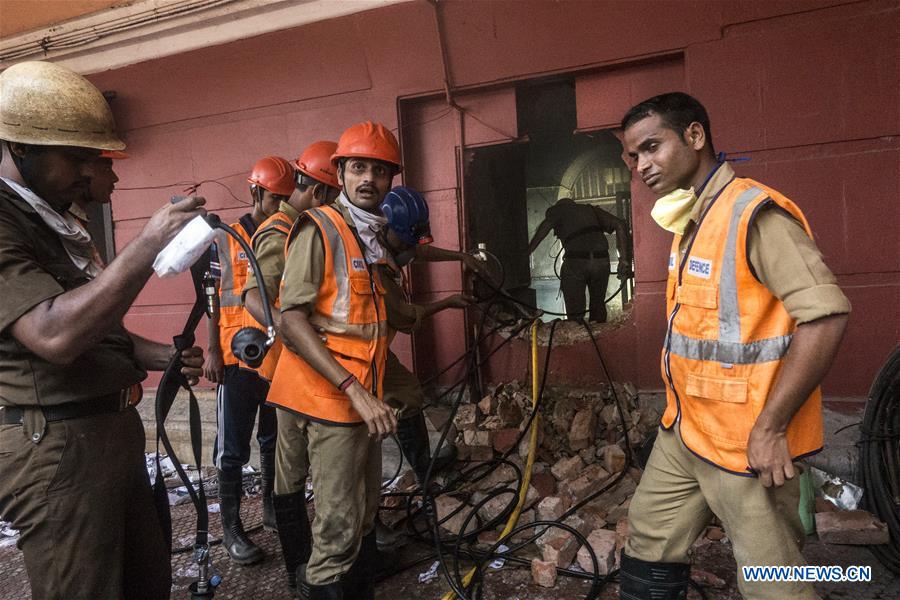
[807,503]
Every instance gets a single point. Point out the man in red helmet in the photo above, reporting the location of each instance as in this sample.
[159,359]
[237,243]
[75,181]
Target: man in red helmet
[315,180]
[242,392]
[333,389]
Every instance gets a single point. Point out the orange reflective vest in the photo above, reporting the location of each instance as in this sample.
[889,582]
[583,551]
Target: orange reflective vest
[277,224]
[350,310]
[235,267]
[727,336]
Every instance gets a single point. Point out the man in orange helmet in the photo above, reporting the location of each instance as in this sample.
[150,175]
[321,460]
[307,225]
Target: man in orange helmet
[315,184]
[242,392]
[333,389]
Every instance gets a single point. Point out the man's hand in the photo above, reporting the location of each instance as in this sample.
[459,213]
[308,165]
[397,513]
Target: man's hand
[214,366]
[474,265]
[768,455]
[378,416]
[459,300]
[624,269]
[192,364]
[170,219]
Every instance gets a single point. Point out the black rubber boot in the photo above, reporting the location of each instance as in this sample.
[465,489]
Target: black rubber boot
[329,591]
[239,547]
[359,581]
[267,475]
[639,580]
[412,433]
[294,532]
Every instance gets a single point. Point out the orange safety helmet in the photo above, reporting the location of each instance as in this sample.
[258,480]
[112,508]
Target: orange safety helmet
[368,140]
[316,162]
[113,154]
[274,174]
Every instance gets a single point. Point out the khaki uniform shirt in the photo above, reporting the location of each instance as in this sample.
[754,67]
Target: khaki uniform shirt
[402,315]
[784,258]
[269,251]
[34,267]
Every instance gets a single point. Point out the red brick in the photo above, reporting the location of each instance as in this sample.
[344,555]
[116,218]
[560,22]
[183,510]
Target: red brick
[567,468]
[544,483]
[854,527]
[543,572]
[581,433]
[505,439]
[603,542]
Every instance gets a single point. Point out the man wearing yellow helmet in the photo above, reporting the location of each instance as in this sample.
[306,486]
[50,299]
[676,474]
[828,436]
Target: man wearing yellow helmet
[72,475]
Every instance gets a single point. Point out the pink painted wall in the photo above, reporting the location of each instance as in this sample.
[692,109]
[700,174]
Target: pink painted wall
[809,89]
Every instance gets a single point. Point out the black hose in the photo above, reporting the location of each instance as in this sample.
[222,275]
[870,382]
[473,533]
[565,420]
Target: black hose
[879,457]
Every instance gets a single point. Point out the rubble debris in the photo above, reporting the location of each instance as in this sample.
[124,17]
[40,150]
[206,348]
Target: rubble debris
[431,573]
[567,468]
[581,449]
[551,508]
[842,493]
[8,535]
[603,542]
[823,505]
[543,572]
[560,546]
[715,533]
[707,579]
[853,527]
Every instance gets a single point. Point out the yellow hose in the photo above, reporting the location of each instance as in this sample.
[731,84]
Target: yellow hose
[529,463]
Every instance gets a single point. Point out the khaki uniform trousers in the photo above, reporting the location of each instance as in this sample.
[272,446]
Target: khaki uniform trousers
[345,463]
[81,500]
[402,390]
[680,492]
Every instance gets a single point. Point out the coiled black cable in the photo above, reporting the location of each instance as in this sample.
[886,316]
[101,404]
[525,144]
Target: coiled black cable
[879,457]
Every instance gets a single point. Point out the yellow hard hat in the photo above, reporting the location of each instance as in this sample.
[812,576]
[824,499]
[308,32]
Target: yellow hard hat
[46,104]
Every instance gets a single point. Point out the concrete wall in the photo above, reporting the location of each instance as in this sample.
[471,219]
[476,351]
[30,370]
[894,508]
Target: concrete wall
[808,89]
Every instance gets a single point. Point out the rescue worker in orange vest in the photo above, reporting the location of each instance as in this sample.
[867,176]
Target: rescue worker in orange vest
[315,180]
[755,319]
[333,389]
[241,391]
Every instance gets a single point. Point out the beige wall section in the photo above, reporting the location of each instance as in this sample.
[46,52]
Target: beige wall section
[132,31]
[19,16]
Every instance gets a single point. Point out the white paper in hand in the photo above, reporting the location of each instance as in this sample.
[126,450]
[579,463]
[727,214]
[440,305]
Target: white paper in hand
[185,248]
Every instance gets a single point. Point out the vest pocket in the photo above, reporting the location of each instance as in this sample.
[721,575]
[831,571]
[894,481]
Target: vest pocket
[721,408]
[700,296]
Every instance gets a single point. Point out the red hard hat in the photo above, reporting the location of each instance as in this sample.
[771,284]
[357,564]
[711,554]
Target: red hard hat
[316,162]
[274,174]
[368,140]
[114,154]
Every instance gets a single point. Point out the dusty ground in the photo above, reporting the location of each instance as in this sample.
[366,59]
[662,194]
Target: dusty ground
[266,580]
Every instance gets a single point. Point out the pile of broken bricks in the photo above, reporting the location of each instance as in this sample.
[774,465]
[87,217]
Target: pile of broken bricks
[580,451]
[581,442]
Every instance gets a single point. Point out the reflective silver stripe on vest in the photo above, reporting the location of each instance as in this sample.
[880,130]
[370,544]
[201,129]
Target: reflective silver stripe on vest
[227,296]
[733,353]
[341,309]
[364,331]
[729,312]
